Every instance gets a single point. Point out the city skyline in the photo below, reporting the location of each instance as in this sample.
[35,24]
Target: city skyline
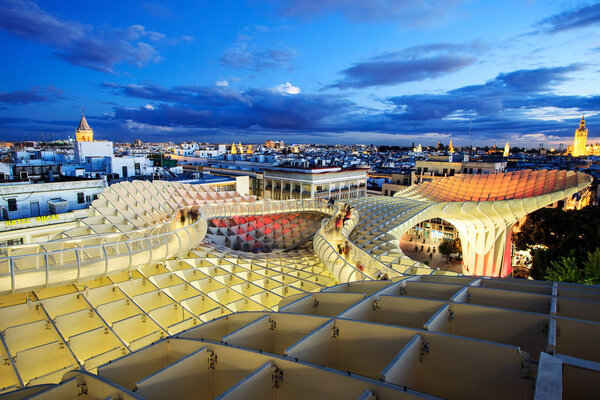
[385,72]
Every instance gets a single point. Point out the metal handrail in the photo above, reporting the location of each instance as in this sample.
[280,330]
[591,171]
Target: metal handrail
[321,244]
[383,268]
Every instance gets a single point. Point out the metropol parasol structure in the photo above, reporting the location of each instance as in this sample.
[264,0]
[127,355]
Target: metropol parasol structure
[160,281]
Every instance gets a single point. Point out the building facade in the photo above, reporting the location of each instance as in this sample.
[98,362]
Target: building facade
[26,200]
[282,183]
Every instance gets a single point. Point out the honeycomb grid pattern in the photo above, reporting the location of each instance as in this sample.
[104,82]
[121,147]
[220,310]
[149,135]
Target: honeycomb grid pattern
[84,325]
[417,337]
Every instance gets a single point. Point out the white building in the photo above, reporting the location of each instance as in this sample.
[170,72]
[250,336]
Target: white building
[24,200]
[281,183]
[97,149]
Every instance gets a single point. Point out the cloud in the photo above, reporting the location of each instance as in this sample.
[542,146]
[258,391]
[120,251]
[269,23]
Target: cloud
[379,73]
[412,64]
[223,107]
[581,17]
[243,54]
[522,89]
[518,105]
[287,88]
[79,44]
[34,95]
[222,83]
[239,56]
[411,12]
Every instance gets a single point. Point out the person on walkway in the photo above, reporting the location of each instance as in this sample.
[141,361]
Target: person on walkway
[340,248]
[348,214]
[338,223]
[182,217]
[347,249]
[331,203]
[193,215]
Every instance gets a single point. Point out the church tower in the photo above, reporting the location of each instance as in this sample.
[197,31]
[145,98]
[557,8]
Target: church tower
[580,139]
[84,133]
[450,147]
[506,149]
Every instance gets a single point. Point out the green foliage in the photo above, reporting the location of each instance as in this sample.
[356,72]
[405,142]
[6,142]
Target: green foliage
[591,268]
[567,269]
[553,235]
[447,248]
[564,270]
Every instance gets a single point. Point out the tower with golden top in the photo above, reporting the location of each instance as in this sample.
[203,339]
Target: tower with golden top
[84,133]
[579,144]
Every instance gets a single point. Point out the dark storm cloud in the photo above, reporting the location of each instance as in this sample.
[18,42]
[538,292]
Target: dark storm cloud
[222,107]
[379,73]
[576,18]
[527,89]
[77,43]
[412,64]
[34,95]
[411,12]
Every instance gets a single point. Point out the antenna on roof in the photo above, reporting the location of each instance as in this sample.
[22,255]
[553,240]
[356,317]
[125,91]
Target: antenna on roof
[470,139]
[81,110]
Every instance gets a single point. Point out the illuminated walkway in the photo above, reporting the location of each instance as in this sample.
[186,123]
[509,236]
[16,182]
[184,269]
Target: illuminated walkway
[483,208]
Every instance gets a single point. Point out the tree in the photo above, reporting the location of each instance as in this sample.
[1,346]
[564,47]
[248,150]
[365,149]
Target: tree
[457,247]
[566,269]
[552,234]
[591,268]
[446,249]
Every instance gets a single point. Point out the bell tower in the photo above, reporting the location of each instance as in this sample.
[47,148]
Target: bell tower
[84,133]
[580,139]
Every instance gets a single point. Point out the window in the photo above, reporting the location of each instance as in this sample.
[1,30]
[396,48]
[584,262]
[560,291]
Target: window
[12,204]
[88,198]
[94,196]
[80,198]
[11,242]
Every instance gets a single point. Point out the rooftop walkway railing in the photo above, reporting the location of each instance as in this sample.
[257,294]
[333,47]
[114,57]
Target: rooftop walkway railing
[324,244]
[64,261]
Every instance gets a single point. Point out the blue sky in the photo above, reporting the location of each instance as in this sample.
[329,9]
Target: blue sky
[305,71]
